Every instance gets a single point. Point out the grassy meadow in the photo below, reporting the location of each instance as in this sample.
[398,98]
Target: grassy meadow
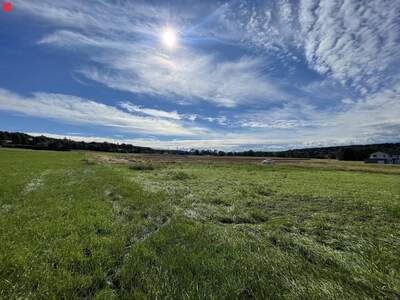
[107,226]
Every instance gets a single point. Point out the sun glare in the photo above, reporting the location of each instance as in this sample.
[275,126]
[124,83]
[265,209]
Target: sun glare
[169,38]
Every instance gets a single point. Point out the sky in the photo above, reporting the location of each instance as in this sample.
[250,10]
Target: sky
[228,75]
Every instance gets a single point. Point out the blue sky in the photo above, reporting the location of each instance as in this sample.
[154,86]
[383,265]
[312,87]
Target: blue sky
[240,75]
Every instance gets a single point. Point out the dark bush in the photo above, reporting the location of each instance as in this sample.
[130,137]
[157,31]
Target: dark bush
[141,166]
[180,175]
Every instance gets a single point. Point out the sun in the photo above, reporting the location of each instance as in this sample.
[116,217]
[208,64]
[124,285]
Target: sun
[169,38]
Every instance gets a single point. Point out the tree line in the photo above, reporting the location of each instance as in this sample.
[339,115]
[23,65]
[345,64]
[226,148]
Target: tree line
[22,140]
[353,152]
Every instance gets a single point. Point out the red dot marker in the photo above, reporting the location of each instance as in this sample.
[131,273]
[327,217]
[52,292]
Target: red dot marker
[6,7]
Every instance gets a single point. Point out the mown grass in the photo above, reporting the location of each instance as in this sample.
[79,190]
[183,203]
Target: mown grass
[71,228]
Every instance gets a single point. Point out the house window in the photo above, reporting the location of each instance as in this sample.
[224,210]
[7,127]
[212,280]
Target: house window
[374,155]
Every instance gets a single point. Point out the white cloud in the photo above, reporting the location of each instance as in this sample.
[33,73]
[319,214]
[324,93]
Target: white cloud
[221,120]
[354,42]
[151,111]
[73,40]
[187,75]
[373,119]
[295,116]
[75,110]
[99,16]
[129,56]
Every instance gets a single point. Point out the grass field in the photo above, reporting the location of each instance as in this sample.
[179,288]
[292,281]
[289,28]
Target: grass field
[90,225]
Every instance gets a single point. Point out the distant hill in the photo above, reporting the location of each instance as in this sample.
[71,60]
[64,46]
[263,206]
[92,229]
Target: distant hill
[353,152]
[23,140]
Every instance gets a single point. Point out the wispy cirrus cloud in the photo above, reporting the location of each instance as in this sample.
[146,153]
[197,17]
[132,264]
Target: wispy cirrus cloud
[132,60]
[285,128]
[100,16]
[187,77]
[76,110]
[356,42]
[283,73]
[151,111]
[353,42]
[190,76]
[349,41]
[375,118]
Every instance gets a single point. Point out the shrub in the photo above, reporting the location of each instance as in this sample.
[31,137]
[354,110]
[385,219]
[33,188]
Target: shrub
[180,175]
[141,166]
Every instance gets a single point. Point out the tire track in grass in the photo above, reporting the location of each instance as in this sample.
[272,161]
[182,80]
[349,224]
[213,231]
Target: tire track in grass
[145,225]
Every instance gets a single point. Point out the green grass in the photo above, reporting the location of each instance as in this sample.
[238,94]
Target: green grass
[73,228]
[141,166]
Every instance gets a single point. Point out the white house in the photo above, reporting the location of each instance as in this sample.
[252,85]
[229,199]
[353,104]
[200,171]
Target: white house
[383,158]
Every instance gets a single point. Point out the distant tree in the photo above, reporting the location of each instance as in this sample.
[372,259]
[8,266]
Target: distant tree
[357,152]
[3,136]
[17,138]
[346,154]
[332,155]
